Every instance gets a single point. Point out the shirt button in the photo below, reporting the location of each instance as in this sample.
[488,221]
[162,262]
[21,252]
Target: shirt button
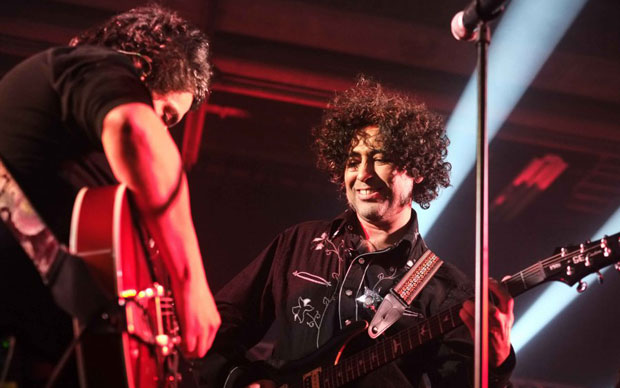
[361,260]
[348,292]
[347,322]
[392,269]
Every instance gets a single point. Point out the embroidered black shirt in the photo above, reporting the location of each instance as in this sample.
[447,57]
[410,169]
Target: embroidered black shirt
[314,280]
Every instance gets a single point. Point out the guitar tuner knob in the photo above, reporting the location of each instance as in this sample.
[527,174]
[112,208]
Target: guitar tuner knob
[617,266]
[569,270]
[600,277]
[582,286]
[582,248]
[588,262]
[563,252]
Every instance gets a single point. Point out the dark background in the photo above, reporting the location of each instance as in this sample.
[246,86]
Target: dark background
[278,62]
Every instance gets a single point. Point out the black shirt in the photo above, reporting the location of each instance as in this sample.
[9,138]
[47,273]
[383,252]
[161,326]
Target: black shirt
[52,107]
[317,278]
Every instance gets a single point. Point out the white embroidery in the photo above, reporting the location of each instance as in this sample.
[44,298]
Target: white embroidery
[303,312]
[312,278]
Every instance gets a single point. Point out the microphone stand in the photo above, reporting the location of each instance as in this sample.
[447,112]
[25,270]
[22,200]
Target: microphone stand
[481,340]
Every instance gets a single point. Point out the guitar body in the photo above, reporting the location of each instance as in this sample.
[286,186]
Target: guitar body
[131,345]
[308,371]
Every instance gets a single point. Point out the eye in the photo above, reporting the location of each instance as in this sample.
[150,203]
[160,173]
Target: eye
[352,162]
[380,159]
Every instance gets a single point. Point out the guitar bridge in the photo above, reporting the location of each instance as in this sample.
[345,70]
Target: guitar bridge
[312,379]
[151,318]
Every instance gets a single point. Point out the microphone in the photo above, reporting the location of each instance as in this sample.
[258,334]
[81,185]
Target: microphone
[465,23]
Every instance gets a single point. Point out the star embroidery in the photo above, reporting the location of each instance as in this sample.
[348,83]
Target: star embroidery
[301,308]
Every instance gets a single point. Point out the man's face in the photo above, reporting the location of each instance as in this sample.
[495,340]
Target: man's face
[376,190]
[172,106]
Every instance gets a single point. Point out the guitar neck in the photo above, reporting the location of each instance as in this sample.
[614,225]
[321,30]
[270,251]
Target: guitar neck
[568,266]
[390,348]
[406,340]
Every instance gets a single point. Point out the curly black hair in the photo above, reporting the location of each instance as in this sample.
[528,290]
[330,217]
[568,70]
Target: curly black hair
[412,136]
[176,53]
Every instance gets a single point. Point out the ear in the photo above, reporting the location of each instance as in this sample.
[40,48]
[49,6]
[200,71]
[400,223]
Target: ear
[418,180]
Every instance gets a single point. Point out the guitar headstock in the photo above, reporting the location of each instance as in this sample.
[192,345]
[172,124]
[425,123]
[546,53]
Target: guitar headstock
[571,264]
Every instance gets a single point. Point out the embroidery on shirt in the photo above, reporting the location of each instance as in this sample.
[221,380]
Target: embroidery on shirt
[312,278]
[381,277]
[303,312]
[325,243]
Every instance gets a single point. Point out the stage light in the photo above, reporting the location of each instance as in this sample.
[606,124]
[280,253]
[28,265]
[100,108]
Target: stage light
[555,298]
[522,42]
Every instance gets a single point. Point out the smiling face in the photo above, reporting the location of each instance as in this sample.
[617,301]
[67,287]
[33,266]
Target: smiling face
[379,193]
[172,106]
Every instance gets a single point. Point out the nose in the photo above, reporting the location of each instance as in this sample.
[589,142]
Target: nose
[365,170]
[158,107]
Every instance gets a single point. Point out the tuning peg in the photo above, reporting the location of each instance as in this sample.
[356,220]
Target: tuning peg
[588,262]
[582,286]
[617,266]
[569,271]
[600,277]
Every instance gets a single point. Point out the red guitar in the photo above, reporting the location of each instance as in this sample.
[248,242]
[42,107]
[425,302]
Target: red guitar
[136,342]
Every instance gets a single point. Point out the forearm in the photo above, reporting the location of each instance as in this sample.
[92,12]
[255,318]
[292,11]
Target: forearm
[143,156]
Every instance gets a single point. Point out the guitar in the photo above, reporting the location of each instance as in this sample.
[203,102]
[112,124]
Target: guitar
[134,344]
[569,266]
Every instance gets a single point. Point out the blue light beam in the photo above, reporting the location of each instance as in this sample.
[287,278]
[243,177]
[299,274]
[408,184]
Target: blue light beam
[524,39]
[555,298]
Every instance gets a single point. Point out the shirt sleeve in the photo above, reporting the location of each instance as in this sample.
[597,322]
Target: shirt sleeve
[91,81]
[452,363]
[246,306]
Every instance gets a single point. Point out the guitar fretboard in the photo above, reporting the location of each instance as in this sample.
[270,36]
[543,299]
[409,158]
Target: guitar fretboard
[390,348]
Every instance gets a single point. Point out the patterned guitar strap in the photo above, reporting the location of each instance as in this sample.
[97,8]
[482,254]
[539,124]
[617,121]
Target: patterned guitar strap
[401,296]
[66,275]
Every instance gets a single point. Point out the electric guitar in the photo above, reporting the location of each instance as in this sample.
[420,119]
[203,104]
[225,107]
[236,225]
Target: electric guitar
[133,345]
[327,368]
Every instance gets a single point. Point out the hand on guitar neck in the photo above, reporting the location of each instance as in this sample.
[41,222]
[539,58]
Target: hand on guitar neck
[501,318]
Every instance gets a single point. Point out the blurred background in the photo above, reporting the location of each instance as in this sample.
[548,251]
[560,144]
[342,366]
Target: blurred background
[554,122]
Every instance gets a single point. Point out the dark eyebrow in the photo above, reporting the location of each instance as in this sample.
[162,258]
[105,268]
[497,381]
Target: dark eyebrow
[372,152]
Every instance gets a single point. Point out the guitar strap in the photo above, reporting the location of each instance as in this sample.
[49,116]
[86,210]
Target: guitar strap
[401,296]
[65,274]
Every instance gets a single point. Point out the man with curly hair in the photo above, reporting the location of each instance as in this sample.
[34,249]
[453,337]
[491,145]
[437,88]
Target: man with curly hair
[97,113]
[317,278]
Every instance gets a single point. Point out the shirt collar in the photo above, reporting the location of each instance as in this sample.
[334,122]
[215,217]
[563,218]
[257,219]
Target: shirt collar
[348,221]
